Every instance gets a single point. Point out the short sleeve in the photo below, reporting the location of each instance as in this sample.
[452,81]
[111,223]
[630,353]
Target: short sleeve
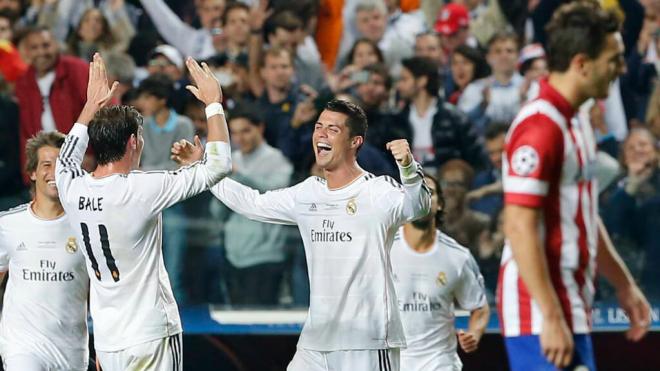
[470,293]
[533,158]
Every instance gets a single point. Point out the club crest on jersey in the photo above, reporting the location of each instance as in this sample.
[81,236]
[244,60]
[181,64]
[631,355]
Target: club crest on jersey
[71,245]
[351,207]
[441,279]
[525,160]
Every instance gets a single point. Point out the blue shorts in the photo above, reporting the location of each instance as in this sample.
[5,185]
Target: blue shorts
[525,354]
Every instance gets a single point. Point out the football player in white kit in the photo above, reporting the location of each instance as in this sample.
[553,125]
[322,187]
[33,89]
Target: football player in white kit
[431,273]
[116,212]
[44,318]
[347,220]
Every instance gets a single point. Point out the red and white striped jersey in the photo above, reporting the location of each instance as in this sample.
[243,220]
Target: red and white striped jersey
[549,164]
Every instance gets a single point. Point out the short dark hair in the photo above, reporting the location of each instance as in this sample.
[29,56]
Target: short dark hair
[284,19]
[474,55]
[233,5]
[242,112]
[110,130]
[8,14]
[504,35]
[41,139]
[357,119]
[495,129]
[159,85]
[579,27]
[424,67]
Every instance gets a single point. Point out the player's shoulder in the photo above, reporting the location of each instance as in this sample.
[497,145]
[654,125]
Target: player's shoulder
[14,212]
[383,182]
[538,115]
[453,246]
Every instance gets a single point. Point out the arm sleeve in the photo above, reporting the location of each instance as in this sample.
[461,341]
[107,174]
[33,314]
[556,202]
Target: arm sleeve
[4,255]
[176,32]
[470,293]
[409,200]
[276,207]
[533,158]
[165,188]
[68,165]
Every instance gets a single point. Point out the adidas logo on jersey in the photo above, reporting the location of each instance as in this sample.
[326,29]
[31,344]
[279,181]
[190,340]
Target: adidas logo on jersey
[312,207]
[21,247]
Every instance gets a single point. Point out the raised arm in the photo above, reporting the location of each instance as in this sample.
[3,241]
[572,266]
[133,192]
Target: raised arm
[416,200]
[71,155]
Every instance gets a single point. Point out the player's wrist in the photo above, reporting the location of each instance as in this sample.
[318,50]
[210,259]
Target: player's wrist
[213,109]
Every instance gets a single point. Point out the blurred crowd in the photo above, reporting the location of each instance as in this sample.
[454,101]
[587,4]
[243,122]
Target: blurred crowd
[449,77]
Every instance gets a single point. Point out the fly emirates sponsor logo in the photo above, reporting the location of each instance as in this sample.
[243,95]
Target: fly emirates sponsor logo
[420,303]
[47,273]
[328,233]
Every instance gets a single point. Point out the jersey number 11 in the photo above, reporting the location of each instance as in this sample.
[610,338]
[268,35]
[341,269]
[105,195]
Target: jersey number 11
[105,246]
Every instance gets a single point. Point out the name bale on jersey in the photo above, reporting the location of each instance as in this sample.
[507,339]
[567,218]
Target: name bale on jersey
[90,203]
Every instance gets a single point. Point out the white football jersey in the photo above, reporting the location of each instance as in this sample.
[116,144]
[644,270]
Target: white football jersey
[118,219]
[427,285]
[347,234]
[45,303]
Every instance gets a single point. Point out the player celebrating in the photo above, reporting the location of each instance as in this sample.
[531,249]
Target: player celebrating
[44,319]
[555,236]
[117,214]
[432,272]
[347,221]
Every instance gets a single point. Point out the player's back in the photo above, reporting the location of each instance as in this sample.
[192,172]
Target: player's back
[119,224]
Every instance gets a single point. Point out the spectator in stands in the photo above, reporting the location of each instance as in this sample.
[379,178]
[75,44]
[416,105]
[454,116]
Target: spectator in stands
[52,92]
[467,65]
[11,64]
[452,25]
[166,59]
[486,193]
[632,214]
[461,223]
[532,65]
[198,43]
[232,73]
[162,127]
[13,7]
[437,131]
[94,34]
[496,98]
[363,53]
[121,68]
[12,191]
[427,45]
[236,30]
[653,111]
[255,251]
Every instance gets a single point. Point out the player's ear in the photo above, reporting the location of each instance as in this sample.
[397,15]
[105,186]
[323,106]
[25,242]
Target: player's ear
[33,176]
[357,141]
[132,142]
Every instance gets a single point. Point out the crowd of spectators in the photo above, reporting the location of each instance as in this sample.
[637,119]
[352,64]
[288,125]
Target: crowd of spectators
[448,77]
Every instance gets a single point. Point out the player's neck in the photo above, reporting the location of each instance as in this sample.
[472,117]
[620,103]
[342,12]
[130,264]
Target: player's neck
[565,84]
[46,208]
[342,175]
[122,166]
[420,240]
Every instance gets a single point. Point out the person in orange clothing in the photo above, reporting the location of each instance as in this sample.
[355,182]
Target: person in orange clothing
[11,65]
[329,30]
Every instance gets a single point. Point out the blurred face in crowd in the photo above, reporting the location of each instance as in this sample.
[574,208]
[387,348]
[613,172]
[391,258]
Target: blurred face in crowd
[428,45]
[44,176]
[195,112]
[160,64]
[41,49]
[208,11]
[407,86]
[5,29]
[277,71]
[538,69]
[373,92]
[640,148]
[462,70]
[451,42]
[503,56]
[246,136]
[333,145]
[364,55]
[13,5]
[494,148]
[91,25]
[603,70]
[455,187]
[371,24]
[283,38]
[149,105]
[237,29]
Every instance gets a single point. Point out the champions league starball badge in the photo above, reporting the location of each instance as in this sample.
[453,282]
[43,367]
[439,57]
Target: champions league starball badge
[71,245]
[351,207]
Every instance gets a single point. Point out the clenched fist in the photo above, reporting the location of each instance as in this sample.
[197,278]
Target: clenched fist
[401,151]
